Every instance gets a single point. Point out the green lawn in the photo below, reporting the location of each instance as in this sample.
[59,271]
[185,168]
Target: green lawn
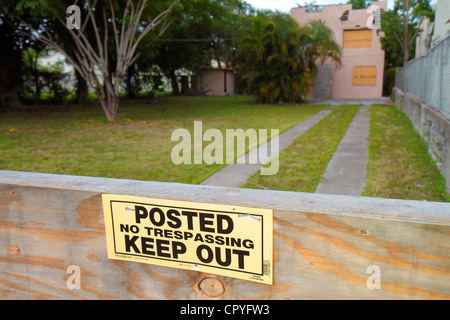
[399,165]
[79,140]
[304,162]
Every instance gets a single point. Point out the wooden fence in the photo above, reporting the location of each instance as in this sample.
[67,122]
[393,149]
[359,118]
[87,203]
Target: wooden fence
[325,246]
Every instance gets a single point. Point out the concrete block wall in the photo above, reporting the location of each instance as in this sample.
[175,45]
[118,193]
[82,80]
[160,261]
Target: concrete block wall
[432,124]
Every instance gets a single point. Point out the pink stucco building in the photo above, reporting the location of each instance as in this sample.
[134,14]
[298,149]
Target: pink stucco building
[215,81]
[362,70]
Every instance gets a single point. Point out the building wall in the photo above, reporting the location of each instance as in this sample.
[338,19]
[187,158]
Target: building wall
[434,32]
[423,38]
[342,82]
[441,21]
[211,82]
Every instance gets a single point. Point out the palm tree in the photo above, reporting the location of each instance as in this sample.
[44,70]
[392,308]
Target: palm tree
[318,45]
[321,40]
[275,58]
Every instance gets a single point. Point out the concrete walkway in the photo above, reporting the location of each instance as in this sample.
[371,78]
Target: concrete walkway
[235,175]
[339,102]
[346,171]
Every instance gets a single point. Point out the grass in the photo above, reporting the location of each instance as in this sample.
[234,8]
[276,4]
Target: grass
[304,162]
[78,140]
[399,165]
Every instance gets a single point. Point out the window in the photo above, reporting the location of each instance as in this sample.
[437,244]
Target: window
[357,39]
[364,76]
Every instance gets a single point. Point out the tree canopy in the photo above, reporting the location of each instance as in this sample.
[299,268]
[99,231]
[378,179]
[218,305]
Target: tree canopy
[360,4]
[203,32]
[401,26]
[276,59]
[113,42]
[103,44]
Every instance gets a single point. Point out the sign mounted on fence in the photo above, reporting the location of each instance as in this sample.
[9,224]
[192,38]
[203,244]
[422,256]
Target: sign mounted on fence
[219,239]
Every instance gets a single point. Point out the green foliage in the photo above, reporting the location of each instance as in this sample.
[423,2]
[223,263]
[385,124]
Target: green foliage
[35,8]
[312,7]
[399,165]
[46,83]
[10,64]
[107,40]
[303,163]
[80,141]
[201,31]
[360,4]
[276,59]
[399,39]
[389,81]
[391,24]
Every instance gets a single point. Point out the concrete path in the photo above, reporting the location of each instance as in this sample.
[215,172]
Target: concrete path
[346,172]
[339,102]
[235,175]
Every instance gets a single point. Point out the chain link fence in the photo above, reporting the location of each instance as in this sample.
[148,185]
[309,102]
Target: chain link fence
[428,77]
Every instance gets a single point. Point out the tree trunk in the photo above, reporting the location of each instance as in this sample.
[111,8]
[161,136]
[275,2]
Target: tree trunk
[82,89]
[111,109]
[406,56]
[110,104]
[174,82]
[91,48]
[405,32]
[132,88]
[9,100]
[37,92]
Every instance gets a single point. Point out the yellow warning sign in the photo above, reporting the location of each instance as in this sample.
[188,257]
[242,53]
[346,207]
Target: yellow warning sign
[219,239]
[364,76]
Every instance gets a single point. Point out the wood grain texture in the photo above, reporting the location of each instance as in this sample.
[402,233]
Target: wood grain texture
[323,245]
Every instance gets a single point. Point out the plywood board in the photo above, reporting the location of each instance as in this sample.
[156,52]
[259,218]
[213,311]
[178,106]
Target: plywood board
[357,39]
[364,76]
[325,246]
